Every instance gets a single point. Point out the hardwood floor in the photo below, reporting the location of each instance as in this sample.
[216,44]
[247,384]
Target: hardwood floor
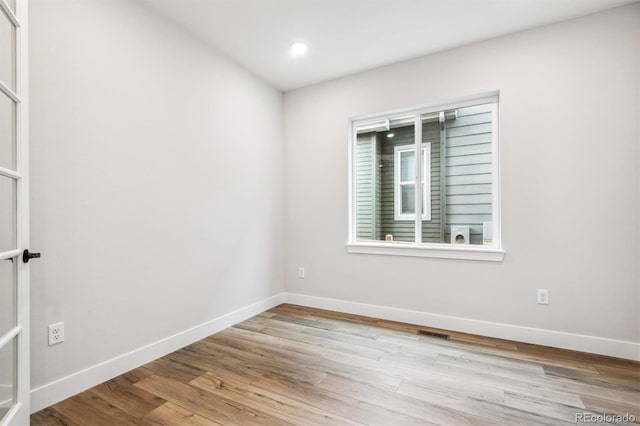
[302,366]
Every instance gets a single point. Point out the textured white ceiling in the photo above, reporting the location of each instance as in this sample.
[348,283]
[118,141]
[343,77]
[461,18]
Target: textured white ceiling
[348,36]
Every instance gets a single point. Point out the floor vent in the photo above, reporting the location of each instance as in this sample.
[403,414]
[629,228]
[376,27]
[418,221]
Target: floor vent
[433,334]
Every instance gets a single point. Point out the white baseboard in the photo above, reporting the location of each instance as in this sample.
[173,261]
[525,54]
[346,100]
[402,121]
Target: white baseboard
[65,387]
[558,339]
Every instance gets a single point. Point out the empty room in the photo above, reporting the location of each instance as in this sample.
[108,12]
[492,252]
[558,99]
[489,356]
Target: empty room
[319,212]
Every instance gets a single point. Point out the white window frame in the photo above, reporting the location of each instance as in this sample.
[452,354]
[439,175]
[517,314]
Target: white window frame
[494,252]
[426,182]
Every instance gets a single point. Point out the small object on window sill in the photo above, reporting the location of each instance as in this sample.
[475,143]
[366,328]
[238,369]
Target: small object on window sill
[460,234]
[388,237]
[487,233]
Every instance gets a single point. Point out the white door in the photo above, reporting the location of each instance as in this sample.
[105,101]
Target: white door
[14,215]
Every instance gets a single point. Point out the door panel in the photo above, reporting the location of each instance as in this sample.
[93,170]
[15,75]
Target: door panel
[14,216]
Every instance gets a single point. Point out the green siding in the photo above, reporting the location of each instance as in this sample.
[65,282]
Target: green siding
[401,230]
[378,189]
[365,188]
[469,170]
[431,228]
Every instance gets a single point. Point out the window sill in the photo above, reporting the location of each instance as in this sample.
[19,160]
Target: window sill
[442,251]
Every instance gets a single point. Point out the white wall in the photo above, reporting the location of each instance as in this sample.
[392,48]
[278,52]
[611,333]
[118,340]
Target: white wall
[569,144]
[157,194]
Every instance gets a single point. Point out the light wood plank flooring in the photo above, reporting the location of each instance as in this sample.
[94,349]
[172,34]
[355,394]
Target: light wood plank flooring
[302,366]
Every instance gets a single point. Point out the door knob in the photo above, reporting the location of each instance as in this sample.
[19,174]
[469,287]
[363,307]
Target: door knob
[26,256]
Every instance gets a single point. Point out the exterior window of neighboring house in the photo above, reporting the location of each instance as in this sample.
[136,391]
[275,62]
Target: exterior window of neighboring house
[456,173]
[405,170]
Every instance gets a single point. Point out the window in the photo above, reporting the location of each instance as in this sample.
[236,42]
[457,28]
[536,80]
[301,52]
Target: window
[405,167]
[456,171]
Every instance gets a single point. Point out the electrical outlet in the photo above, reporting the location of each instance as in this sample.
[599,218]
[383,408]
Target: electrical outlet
[56,333]
[543,297]
[301,273]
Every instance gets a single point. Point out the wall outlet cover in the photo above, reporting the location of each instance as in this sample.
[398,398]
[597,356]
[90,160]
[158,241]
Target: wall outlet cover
[56,333]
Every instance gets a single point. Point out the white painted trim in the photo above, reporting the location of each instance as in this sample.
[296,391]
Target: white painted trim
[23,293]
[442,251]
[10,15]
[418,196]
[9,254]
[537,336]
[10,173]
[9,335]
[10,93]
[397,183]
[9,417]
[50,393]
[496,202]
[351,202]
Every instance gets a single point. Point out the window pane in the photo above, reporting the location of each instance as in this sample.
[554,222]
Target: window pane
[377,206]
[456,169]
[7,51]
[7,377]
[7,132]
[7,295]
[408,202]
[461,175]
[407,166]
[7,214]
[367,189]
[398,220]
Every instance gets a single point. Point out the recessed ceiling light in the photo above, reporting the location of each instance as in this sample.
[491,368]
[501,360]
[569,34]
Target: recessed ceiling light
[298,48]
[390,135]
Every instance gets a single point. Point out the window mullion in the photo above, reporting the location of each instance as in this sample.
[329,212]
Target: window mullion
[495,181]
[418,177]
